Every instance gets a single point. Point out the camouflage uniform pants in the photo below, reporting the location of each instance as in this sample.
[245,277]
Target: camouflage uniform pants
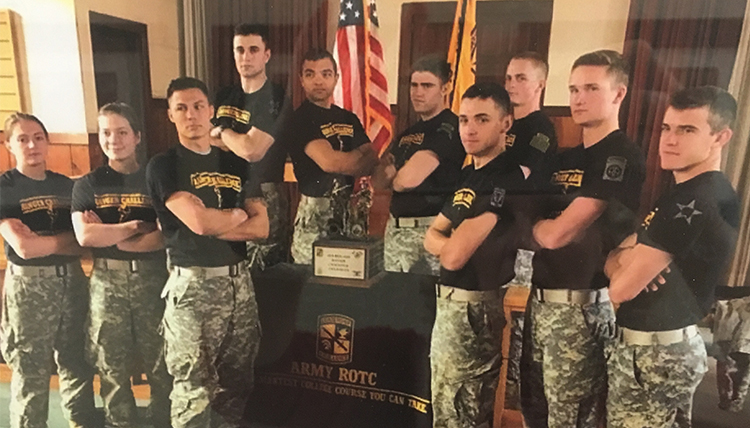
[125,313]
[275,248]
[653,386]
[311,224]
[44,315]
[732,339]
[569,341]
[404,250]
[465,359]
[212,333]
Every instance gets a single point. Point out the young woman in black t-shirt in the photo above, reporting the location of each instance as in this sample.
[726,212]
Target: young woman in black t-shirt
[44,300]
[112,214]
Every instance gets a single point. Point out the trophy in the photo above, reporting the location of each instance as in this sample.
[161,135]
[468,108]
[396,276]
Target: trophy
[348,256]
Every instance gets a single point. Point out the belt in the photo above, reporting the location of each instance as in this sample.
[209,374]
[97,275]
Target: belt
[576,297]
[132,266]
[414,221]
[59,271]
[460,295]
[211,272]
[646,338]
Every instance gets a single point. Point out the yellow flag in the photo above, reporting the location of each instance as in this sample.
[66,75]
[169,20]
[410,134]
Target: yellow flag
[462,53]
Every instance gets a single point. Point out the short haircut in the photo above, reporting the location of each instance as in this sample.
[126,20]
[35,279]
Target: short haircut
[253,30]
[537,60]
[616,65]
[125,111]
[435,65]
[16,117]
[490,90]
[183,83]
[722,107]
[316,54]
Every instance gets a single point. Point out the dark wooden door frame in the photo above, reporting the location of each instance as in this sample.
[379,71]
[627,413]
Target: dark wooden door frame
[141,30]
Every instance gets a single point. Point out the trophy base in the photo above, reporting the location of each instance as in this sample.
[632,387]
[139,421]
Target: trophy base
[348,262]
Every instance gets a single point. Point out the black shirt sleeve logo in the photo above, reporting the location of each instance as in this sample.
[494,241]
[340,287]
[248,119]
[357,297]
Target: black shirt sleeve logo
[539,142]
[498,197]
[464,197]
[242,116]
[687,211]
[615,168]
[647,221]
[447,128]
[510,139]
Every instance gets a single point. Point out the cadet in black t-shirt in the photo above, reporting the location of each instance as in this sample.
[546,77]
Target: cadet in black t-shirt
[531,143]
[422,167]
[329,148]
[208,207]
[665,275]
[473,240]
[45,297]
[596,188]
[112,214]
[249,119]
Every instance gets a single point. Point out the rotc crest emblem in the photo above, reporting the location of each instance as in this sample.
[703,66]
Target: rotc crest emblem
[510,139]
[335,338]
[615,168]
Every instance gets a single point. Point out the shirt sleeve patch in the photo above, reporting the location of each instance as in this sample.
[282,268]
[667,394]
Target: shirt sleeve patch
[687,212]
[498,197]
[447,128]
[539,142]
[615,168]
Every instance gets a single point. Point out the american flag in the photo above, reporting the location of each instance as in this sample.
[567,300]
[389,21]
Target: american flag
[362,87]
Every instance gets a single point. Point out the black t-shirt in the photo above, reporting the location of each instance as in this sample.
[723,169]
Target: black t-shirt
[488,189]
[115,198]
[42,205]
[532,142]
[221,180]
[612,170]
[439,135]
[266,109]
[340,127]
[697,223]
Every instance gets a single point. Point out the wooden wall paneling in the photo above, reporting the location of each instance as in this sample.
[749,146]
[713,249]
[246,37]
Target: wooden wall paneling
[79,160]
[161,132]
[14,94]
[568,133]
[59,159]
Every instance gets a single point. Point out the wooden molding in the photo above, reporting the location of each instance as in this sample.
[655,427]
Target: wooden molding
[556,111]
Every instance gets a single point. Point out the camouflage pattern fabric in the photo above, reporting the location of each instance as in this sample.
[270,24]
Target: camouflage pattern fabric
[404,250]
[653,386]
[569,341]
[731,331]
[274,249]
[212,334]
[44,315]
[465,359]
[124,317]
[313,216]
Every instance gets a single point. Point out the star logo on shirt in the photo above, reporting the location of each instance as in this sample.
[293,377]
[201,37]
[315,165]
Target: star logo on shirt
[687,211]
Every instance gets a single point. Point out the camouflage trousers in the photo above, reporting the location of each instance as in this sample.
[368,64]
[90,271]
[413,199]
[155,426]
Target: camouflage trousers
[731,331]
[44,310]
[404,250]
[569,341]
[465,359]
[653,386]
[310,225]
[275,248]
[125,313]
[212,334]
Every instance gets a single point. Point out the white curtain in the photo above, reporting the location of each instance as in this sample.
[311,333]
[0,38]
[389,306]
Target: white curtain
[736,163]
[195,39]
